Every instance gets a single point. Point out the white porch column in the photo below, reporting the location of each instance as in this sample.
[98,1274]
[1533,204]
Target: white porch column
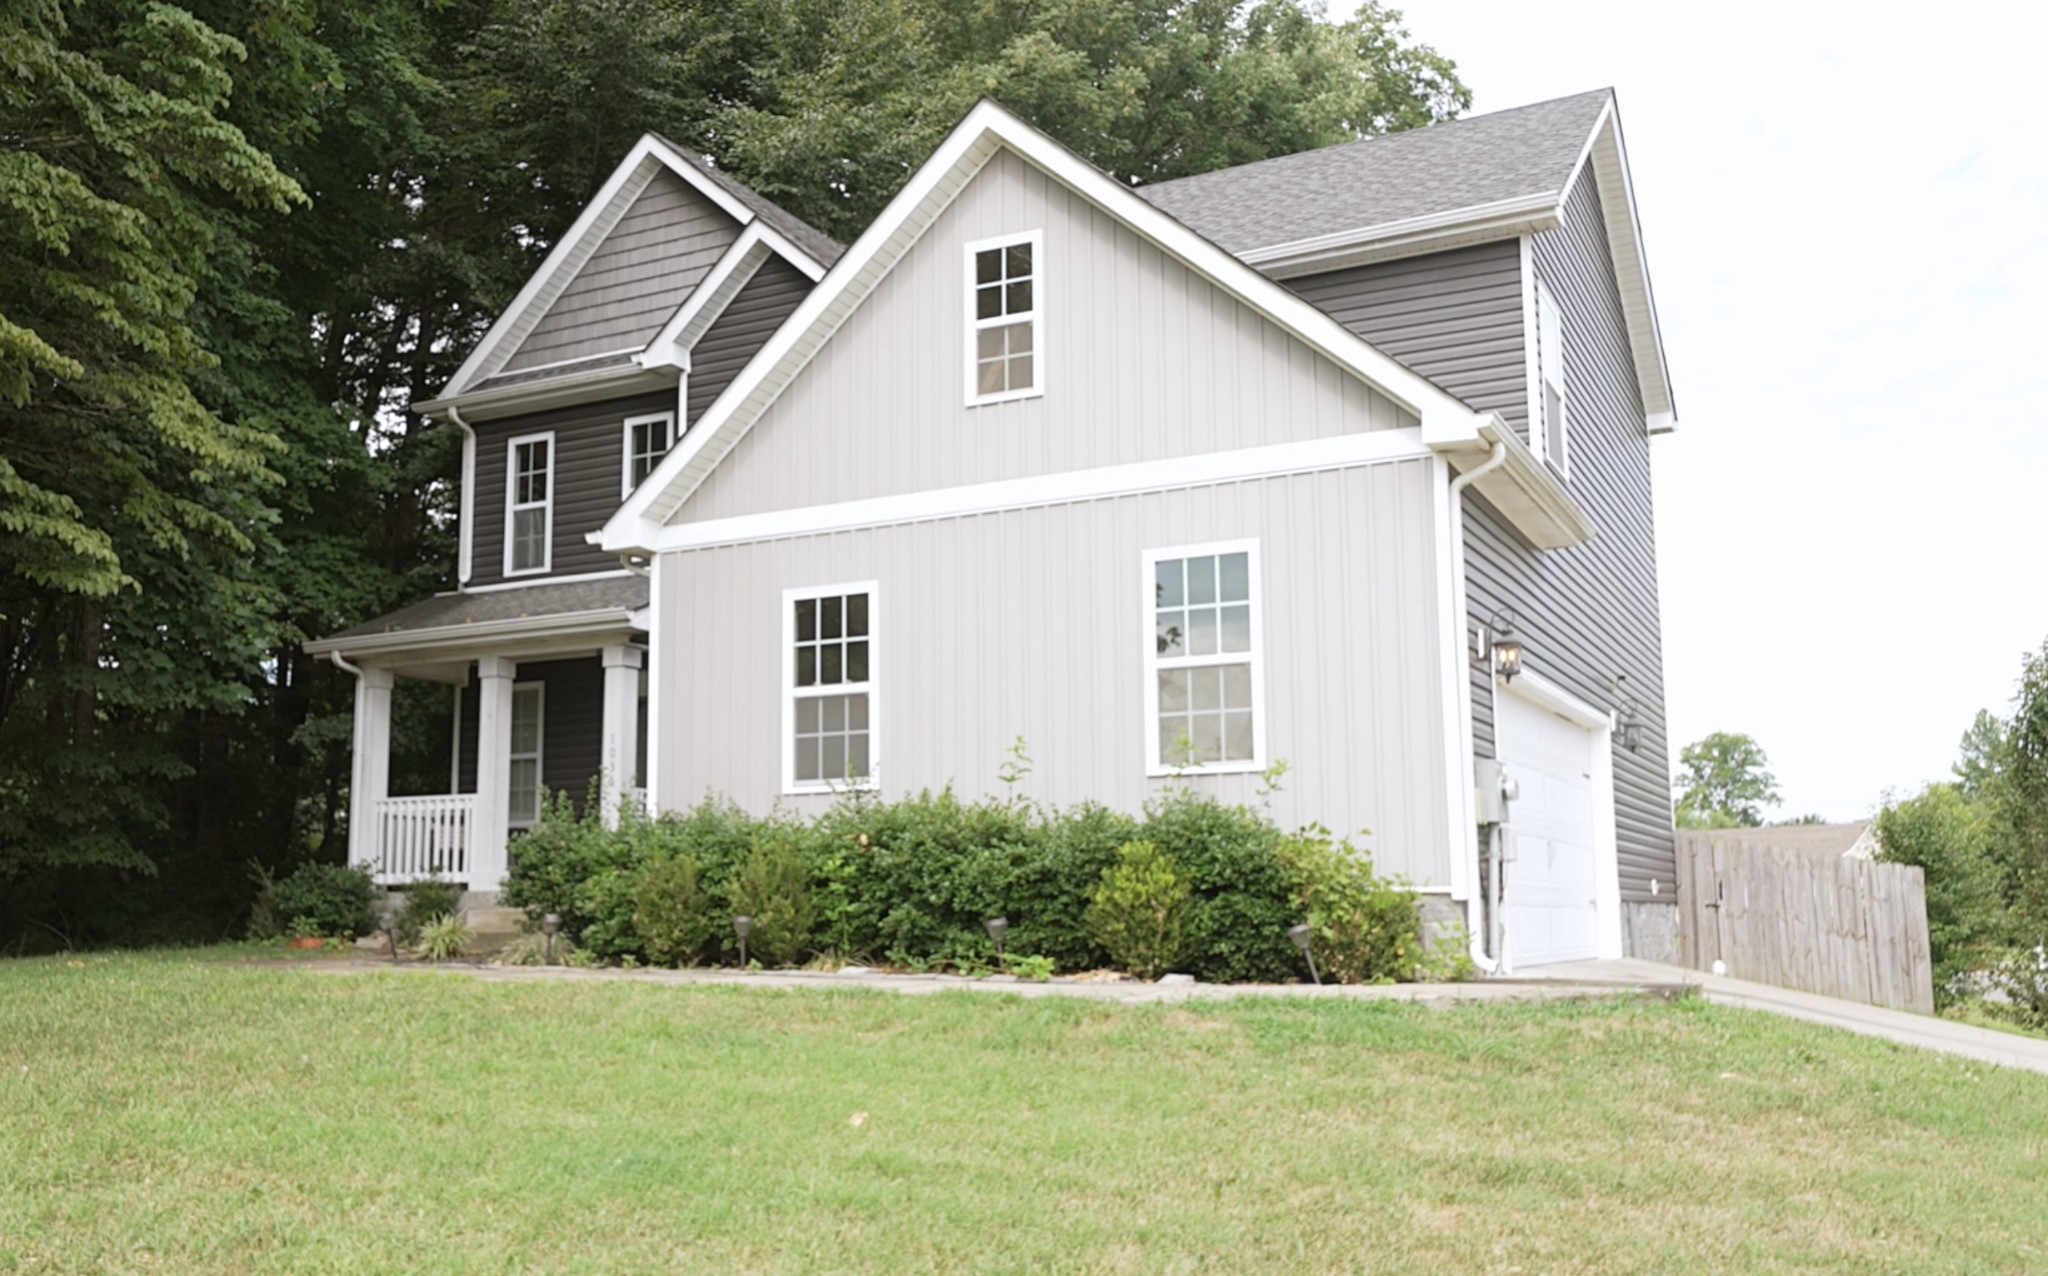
[621,726]
[487,857]
[370,774]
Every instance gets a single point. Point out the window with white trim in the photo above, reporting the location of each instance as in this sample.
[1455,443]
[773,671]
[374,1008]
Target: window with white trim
[1202,645]
[648,439]
[529,503]
[1005,358]
[1551,438]
[525,783]
[828,711]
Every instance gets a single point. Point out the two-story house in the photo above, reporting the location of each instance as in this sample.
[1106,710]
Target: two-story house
[1339,460]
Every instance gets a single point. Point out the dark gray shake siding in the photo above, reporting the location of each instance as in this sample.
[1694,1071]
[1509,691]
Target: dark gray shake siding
[589,451]
[1584,614]
[749,320]
[571,725]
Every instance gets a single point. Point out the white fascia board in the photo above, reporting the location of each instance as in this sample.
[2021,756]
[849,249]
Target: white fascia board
[1525,490]
[977,137]
[576,624]
[1607,157]
[532,396]
[1201,470]
[708,300]
[1502,219]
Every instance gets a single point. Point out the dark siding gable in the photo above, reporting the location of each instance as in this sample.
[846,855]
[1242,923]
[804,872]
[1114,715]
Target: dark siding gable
[749,320]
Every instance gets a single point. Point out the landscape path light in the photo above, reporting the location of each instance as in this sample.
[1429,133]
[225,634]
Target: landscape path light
[1300,935]
[998,927]
[743,927]
[551,924]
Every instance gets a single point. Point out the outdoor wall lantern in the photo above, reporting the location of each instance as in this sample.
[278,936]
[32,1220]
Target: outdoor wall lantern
[551,924]
[1497,642]
[1629,724]
[998,927]
[1300,936]
[743,927]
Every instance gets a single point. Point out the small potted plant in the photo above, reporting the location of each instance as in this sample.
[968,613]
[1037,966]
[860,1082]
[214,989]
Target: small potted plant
[305,933]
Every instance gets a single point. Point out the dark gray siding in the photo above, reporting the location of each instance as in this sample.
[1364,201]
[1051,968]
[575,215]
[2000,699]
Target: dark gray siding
[1584,614]
[1455,317]
[571,725]
[588,454]
[749,320]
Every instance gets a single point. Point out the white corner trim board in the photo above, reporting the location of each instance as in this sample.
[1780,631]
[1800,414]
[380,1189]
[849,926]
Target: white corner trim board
[986,129]
[1202,470]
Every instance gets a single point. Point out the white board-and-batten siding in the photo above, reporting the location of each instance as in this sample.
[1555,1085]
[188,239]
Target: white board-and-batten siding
[1031,622]
[1142,359]
[661,249]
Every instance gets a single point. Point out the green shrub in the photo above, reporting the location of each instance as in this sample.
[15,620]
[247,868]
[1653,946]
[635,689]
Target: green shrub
[1243,901]
[444,938]
[774,888]
[1367,929]
[332,898]
[1141,910]
[424,899]
[679,922]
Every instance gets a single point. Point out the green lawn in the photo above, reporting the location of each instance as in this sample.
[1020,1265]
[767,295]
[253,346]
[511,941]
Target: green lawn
[166,1114]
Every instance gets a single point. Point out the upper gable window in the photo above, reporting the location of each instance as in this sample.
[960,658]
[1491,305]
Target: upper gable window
[529,503]
[648,439]
[1005,358]
[1549,440]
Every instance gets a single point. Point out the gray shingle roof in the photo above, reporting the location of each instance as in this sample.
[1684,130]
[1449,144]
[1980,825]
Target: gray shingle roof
[796,230]
[444,611]
[1459,164]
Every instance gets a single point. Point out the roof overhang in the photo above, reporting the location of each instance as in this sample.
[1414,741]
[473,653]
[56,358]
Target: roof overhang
[1435,232]
[987,129]
[442,653]
[570,388]
[1524,489]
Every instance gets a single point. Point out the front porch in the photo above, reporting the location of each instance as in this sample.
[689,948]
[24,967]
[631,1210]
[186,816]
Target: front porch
[545,702]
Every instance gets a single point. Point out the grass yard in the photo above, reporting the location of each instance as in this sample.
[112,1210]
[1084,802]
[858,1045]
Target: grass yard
[160,1113]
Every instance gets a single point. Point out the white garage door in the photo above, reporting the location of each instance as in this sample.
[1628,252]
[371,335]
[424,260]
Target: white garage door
[1553,911]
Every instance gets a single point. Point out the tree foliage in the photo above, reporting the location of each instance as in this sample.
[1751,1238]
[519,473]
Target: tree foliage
[1724,781]
[238,236]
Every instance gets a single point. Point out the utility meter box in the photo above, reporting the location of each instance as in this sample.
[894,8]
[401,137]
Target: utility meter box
[1493,788]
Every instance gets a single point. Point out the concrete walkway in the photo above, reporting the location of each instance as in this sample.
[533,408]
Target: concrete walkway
[1967,1041]
[1133,992]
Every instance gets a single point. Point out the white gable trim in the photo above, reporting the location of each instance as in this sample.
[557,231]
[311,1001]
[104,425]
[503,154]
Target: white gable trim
[672,345]
[987,128]
[649,156]
[1608,159]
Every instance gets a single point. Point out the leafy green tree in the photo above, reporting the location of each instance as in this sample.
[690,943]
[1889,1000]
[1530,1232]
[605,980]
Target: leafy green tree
[1979,759]
[1724,781]
[1950,838]
[2018,795]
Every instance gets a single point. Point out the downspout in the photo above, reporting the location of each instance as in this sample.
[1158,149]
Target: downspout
[343,665]
[1482,945]
[467,503]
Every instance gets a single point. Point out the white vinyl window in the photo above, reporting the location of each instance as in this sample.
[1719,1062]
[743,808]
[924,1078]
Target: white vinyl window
[1203,689]
[527,704]
[828,703]
[529,503]
[648,439]
[1550,440]
[1005,298]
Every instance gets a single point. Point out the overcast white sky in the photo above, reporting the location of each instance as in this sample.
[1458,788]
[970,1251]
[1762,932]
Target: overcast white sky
[1846,213]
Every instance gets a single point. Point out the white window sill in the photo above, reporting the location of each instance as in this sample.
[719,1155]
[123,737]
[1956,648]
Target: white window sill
[1008,396]
[526,571]
[1250,767]
[828,790]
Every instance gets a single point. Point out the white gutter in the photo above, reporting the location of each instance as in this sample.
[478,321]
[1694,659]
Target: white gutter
[1486,896]
[467,501]
[562,624]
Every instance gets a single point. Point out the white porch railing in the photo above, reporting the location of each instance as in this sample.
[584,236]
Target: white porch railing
[424,837]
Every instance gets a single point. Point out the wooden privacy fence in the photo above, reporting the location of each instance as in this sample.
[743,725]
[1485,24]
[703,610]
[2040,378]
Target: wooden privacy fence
[1818,922]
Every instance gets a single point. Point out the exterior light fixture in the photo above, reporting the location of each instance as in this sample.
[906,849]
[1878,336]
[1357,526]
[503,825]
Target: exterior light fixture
[998,928]
[1497,643]
[1300,936]
[1629,725]
[743,927]
[551,924]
